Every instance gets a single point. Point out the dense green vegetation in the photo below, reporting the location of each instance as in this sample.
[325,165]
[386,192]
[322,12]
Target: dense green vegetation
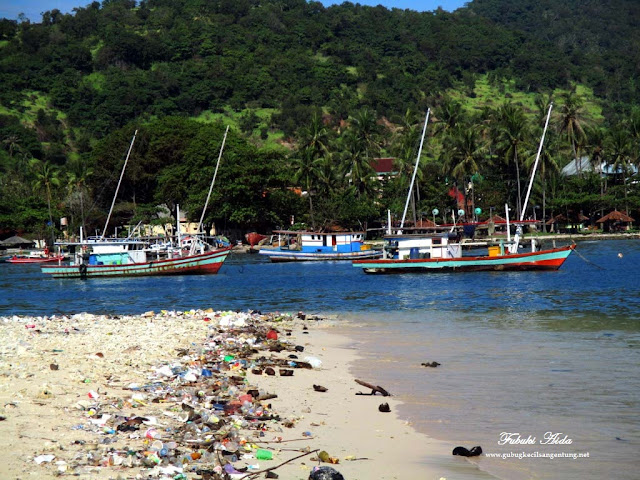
[312,95]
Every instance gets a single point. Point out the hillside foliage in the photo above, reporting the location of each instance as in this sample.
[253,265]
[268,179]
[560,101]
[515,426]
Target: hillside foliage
[313,95]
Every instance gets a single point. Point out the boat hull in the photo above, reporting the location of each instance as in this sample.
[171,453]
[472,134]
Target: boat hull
[206,263]
[297,256]
[58,258]
[541,260]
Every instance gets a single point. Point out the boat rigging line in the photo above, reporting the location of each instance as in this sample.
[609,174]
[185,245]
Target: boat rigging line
[113,202]
[415,170]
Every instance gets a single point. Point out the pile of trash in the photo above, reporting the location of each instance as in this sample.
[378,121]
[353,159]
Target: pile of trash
[197,416]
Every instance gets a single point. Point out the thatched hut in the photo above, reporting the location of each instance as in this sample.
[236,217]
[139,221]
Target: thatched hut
[16,242]
[616,221]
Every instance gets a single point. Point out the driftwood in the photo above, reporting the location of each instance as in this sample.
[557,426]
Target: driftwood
[374,389]
[258,473]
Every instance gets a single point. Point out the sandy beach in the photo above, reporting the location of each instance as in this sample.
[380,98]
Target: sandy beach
[188,395]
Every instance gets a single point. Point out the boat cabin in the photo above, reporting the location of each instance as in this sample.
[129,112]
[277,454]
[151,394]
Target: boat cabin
[321,242]
[420,246]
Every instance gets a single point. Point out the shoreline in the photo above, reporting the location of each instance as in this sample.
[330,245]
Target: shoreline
[73,386]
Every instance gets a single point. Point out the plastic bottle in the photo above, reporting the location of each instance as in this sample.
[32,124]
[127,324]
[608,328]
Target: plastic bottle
[264,454]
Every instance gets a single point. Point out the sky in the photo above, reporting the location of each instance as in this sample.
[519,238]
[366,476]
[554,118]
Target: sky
[33,8]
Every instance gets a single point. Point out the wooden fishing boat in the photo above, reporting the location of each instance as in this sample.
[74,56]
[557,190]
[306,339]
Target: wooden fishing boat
[443,252]
[35,259]
[299,246]
[131,258]
[551,259]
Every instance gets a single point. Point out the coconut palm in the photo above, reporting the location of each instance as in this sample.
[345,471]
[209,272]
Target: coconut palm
[315,136]
[512,132]
[464,152]
[77,177]
[634,131]
[360,144]
[449,114]
[305,173]
[356,164]
[404,148]
[328,178]
[572,123]
[595,141]
[548,166]
[46,176]
[618,154]
[314,145]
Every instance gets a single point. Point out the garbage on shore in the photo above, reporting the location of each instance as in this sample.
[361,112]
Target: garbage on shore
[196,416]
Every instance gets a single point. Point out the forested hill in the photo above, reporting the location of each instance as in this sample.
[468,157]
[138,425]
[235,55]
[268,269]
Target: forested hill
[601,40]
[109,63]
[75,85]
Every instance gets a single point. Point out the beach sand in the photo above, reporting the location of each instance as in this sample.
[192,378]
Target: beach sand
[69,383]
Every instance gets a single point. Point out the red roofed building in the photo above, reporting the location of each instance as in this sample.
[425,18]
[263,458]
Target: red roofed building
[384,168]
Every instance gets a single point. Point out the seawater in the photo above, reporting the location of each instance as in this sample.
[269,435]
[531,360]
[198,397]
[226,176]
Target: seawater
[526,353]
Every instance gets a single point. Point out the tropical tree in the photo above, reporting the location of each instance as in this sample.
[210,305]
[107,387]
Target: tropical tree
[572,123]
[77,177]
[315,136]
[512,132]
[314,146]
[448,114]
[618,154]
[360,143]
[633,124]
[595,149]
[404,148]
[548,167]
[46,176]
[464,152]
[305,173]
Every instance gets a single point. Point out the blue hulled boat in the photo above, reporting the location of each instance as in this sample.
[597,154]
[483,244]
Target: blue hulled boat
[294,246]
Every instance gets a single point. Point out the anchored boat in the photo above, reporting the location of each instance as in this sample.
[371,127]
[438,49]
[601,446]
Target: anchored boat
[436,252]
[433,252]
[293,246]
[131,257]
[113,257]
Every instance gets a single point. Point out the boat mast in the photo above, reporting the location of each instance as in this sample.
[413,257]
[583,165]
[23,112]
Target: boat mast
[178,234]
[415,170]
[516,239]
[213,181]
[113,202]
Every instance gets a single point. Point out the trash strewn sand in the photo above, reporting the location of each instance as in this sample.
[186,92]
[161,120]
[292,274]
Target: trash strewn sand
[188,395]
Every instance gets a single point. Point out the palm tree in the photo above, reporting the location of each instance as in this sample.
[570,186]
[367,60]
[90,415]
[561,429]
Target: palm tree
[571,123]
[618,154]
[360,144]
[327,176]
[12,143]
[464,152]
[542,103]
[449,115]
[634,131]
[315,136]
[404,148]
[314,141]
[356,164]
[595,141]
[79,173]
[512,132]
[306,173]
[547,167]
[46,176]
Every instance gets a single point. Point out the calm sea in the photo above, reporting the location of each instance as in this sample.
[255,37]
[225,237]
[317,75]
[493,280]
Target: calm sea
[528,354]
